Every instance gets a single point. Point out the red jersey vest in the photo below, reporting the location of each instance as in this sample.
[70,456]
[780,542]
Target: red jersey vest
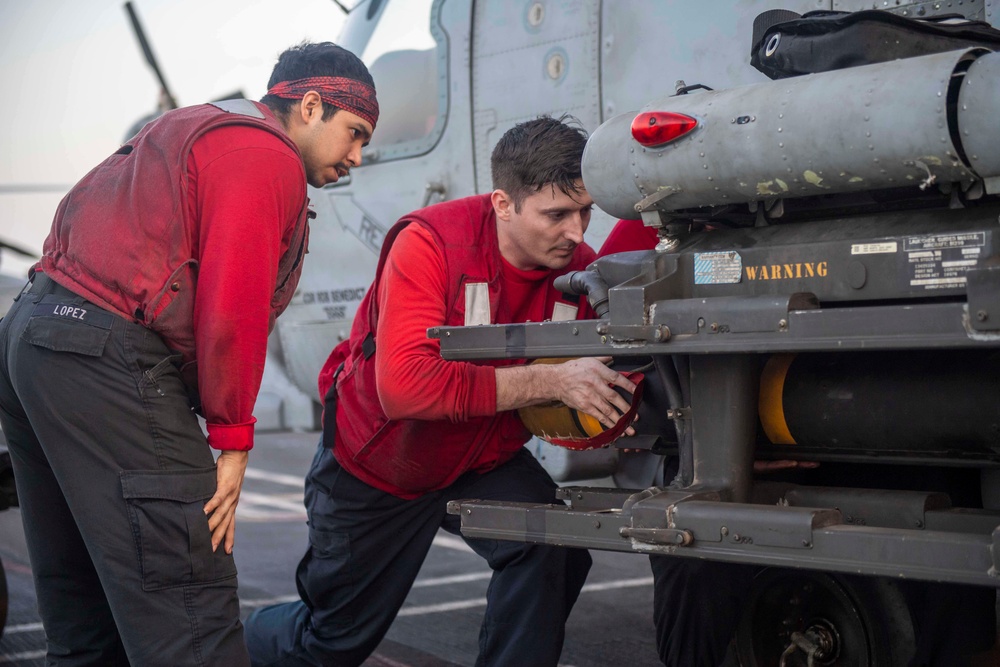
[123,237]
[410,457]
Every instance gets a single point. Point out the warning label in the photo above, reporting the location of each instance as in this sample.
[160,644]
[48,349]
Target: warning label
[717,268]
[941,261]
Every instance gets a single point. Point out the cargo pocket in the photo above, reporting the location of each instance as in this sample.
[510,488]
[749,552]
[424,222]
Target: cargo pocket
[326,580]
[66,335]
[172,539]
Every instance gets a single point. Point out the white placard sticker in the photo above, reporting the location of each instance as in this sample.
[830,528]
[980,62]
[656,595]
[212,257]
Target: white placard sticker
[718,268]
[874,248]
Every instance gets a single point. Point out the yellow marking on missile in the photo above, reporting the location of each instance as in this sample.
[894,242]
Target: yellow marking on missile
[770,406]
[815,179]
[765,187]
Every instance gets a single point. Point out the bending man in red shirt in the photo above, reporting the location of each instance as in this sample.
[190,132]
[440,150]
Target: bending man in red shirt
[406,431]
[160,280]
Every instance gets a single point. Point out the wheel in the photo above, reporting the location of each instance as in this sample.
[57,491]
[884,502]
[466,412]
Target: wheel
[843,621]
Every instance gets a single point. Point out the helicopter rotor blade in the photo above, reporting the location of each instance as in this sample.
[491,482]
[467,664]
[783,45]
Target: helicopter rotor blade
[20,250]
[147,51]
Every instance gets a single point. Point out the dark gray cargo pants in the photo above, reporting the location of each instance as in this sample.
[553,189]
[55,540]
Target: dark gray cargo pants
[112,473]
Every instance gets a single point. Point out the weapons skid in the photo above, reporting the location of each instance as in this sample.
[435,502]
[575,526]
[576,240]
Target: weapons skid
[835,300]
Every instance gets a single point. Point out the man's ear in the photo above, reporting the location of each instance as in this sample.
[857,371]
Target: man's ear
[502,204]
[311,107]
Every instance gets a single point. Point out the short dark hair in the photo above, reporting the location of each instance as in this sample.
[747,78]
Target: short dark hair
[307,60]
[536,153]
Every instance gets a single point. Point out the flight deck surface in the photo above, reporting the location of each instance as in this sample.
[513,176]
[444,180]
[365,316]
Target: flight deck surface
[438,625]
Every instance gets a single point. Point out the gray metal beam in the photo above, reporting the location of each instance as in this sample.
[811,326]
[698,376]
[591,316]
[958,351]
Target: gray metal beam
[917,326]
[763,535]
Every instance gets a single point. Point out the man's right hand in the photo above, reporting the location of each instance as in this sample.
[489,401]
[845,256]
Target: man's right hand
[585,385]
[230,468]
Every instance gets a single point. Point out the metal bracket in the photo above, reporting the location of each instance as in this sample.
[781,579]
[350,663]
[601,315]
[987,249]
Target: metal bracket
[732,314]
[992,184]
[760,525]
[670,536]
[623,333]
[590,499]
[871,507]
[679,413]
[982,287]
[651,216]
[649,202]
[434,188]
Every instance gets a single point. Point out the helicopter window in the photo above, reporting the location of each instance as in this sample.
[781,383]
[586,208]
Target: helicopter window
[406,56]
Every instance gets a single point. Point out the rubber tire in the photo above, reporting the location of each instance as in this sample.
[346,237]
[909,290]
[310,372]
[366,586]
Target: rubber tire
[880,607]
[3,599]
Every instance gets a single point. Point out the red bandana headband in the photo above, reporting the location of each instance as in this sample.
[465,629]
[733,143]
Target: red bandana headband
[343,93]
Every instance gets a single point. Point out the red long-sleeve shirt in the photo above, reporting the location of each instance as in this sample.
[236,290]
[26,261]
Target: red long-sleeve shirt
[414,382]
[245,189]
[629,235]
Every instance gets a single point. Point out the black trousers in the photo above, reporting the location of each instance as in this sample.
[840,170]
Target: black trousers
[112,472]
[366,548]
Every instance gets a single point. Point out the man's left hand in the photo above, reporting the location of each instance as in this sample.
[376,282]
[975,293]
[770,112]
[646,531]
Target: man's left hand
[221,508]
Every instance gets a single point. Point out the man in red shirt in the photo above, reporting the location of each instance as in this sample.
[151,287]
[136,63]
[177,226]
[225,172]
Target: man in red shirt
[160,279]
[405,431]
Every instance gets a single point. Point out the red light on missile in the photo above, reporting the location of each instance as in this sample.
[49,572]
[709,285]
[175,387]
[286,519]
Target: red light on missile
[655,128]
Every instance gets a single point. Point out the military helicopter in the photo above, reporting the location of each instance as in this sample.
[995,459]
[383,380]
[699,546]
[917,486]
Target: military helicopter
[452,77]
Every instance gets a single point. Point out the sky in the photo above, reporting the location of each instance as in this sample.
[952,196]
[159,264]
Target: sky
[73,80]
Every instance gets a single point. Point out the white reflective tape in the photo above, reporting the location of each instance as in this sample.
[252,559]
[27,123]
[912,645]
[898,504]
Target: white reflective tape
[477,304]
[564,312]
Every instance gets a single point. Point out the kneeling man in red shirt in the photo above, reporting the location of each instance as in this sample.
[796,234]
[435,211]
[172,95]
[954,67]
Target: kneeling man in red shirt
[406,431]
